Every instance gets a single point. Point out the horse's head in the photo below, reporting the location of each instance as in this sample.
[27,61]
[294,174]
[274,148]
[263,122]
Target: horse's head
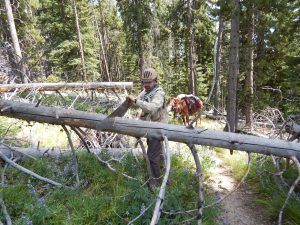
[171,103]
[174,105]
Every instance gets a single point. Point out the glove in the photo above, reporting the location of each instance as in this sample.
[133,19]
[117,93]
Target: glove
[131,99]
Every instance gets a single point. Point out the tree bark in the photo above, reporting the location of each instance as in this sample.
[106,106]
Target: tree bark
[192,61]
[83,71]
[217,68]
[15,40]
[249,74]
[65,86]
[149,129]
[233,69]
[101,44]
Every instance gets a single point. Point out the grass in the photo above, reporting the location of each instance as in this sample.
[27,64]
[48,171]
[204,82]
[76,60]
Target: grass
[237,161]
[36,134]
[108,198]
[104,198]
[262,182]
[270,195]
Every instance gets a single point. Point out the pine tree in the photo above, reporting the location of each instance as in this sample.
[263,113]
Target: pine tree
[63,51]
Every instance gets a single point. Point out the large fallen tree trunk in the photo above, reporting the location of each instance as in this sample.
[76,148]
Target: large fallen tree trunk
[65,86]
[139,128]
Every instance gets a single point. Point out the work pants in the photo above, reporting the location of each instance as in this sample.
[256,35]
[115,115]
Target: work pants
[154,153]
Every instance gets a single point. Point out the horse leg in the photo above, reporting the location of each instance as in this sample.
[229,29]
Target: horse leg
[187,119]
[183,119]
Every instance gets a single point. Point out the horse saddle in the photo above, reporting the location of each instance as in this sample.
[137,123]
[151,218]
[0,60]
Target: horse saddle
[192,102]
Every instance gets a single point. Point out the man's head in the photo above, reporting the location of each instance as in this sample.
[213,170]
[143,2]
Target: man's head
[149,78]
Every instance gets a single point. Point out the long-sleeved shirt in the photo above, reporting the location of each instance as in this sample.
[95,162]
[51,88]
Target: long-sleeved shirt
[154,108]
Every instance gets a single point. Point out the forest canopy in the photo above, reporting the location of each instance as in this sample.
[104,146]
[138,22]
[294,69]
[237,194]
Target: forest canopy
[190,43]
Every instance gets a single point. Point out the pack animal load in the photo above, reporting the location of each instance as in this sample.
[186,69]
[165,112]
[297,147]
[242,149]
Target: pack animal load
[185,106]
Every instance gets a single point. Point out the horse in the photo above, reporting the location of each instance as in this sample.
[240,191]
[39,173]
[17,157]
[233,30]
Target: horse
[185,106]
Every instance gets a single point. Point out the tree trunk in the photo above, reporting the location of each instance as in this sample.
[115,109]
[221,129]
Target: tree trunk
[233,70]
[15,40]
[192,61]
[249,75]
[83,69]
[147,129]
[101,44]
[217,67]
[65,86]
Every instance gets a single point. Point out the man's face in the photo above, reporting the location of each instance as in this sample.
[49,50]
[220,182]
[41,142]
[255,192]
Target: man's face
[148,85]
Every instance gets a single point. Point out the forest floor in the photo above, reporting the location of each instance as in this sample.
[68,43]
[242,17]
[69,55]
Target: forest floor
[239,208]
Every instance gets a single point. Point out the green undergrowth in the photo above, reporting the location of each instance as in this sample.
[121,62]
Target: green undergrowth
[262,181]
[103,197]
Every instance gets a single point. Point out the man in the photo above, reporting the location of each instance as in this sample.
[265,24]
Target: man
[152,102]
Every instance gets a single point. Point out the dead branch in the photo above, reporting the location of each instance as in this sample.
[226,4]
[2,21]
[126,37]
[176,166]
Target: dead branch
[200,202]
[65,86]
[292,128]
[29,172]
[77,131]
[161,195]
[4,210]
[16,150]
[140,142]
[279,172]
[142,213]
[297,164]
[74,155]
[113,169]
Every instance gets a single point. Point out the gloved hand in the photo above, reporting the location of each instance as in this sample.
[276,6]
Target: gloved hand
[131,99]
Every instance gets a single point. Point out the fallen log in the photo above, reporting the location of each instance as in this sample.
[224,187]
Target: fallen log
[148,129]
[36,153]
[65,86]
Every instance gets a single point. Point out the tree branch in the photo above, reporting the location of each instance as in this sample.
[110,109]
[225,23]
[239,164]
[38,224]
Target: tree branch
[74,155]
[200,203]
[4,211]
[297,164]
[161,195]
[140,142]
[29,172]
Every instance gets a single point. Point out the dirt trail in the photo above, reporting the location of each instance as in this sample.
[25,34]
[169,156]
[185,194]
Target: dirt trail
[238,208]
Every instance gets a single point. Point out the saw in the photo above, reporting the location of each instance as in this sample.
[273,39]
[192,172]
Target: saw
[118,112]
[121,110]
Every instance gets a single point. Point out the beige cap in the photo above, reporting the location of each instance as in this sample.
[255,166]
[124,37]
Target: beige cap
[149,75]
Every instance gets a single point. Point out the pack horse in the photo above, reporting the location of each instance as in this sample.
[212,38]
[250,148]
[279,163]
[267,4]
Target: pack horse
[185,106]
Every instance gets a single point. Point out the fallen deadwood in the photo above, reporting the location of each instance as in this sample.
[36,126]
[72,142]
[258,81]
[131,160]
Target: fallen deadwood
[294,129]
[215,117]
[148,129]
[29,172]
[4,211]
[65,86]
[23,153]
[161,196]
